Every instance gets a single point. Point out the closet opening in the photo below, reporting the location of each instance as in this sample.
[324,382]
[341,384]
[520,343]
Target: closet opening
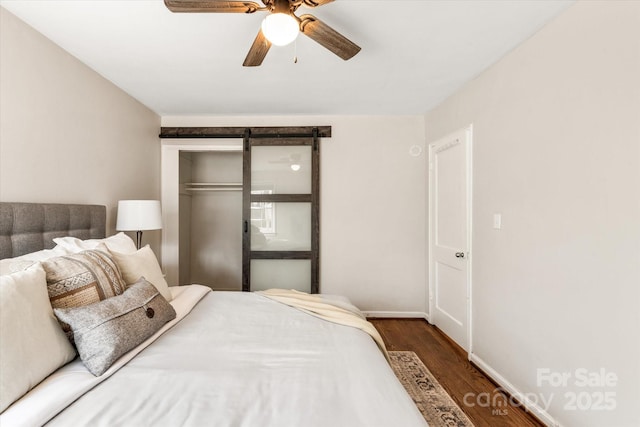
[210,208]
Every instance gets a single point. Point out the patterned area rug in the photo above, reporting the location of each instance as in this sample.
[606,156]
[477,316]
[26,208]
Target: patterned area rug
[437,407]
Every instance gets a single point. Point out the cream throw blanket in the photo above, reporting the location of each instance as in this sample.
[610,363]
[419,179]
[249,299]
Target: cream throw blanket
[332,311]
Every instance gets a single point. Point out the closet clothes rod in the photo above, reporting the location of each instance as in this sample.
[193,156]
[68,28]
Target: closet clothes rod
[214,189]
[219,186]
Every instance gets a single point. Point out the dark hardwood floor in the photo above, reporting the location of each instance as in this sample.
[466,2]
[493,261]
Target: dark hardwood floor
[478,397]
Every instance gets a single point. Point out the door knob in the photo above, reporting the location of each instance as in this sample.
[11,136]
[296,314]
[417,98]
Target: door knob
[459,254]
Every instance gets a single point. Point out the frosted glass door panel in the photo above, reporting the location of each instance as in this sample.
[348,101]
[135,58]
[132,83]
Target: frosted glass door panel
[281,169]
[280,226]
[282,274]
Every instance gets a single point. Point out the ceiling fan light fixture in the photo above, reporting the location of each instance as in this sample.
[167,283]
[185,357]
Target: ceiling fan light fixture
[280,28]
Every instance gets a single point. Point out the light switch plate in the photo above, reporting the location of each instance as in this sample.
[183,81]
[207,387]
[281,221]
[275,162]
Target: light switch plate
[497,221]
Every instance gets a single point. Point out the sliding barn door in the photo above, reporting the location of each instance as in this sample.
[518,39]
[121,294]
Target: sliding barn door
[281,213]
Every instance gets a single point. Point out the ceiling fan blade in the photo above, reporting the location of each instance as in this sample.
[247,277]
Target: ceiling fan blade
[317,30]
[212,6]
[258,51]
[315,3]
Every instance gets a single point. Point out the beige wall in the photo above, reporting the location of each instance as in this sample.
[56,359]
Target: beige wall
[557,152]
[67,135]
[372,209]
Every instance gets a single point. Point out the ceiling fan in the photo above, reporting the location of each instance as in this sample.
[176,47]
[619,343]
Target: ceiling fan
[280,27]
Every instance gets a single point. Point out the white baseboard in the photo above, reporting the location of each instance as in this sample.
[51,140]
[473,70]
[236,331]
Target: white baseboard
[397,314]
[531,406]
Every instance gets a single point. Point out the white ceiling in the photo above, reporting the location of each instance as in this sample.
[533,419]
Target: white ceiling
[414,53]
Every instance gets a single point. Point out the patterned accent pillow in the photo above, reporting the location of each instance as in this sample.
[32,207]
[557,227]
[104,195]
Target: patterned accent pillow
[83,278]
[107,330]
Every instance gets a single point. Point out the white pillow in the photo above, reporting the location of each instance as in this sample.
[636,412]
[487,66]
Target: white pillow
[142,263]
[33,344]
[12,265]
[118,242]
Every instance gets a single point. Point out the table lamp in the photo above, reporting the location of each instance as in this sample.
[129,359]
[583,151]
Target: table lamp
[139,215]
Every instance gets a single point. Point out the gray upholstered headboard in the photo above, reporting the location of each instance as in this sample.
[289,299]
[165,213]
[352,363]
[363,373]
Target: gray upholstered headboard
[30,227]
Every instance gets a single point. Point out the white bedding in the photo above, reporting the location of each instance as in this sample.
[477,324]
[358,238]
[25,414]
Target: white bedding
[237,359]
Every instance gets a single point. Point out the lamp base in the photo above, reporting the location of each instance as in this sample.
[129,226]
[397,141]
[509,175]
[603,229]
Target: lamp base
[138,239]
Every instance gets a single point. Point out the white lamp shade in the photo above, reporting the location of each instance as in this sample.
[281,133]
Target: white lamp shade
[138,215]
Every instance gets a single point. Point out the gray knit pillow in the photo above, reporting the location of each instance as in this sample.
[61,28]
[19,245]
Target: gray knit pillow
[106,330]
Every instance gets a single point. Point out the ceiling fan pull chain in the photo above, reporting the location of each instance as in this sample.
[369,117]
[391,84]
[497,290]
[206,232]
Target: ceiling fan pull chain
[295,51]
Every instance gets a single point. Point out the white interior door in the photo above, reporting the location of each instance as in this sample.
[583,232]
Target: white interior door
[450,235]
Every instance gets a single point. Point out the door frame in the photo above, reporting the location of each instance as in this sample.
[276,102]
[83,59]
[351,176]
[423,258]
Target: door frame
[468,131]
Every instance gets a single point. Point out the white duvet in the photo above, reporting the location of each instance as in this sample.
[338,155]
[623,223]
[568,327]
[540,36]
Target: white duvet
[235,359]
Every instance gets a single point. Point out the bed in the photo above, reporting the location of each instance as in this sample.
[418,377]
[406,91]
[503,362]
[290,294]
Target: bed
[217,358]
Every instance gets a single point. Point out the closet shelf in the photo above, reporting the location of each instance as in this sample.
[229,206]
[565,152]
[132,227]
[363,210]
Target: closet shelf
[212,186]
